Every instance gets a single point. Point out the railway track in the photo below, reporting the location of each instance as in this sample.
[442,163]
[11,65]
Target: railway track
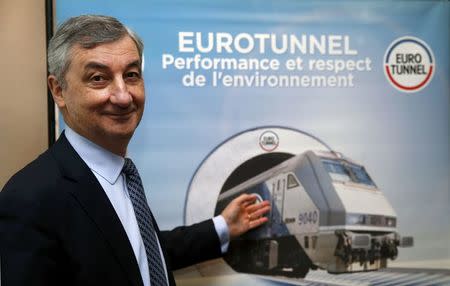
[386,277]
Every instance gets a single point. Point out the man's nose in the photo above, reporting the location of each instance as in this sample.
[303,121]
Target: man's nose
[119,94]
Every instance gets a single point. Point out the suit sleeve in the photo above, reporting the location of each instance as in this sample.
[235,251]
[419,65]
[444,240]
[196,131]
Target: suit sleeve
[28,254]
[188,245]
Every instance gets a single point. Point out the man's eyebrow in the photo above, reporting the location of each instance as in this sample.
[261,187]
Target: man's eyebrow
[135,64]
[100,66]
[95,65]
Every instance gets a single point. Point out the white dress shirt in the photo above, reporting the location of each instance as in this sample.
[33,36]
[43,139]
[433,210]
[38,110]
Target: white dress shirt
[107,168]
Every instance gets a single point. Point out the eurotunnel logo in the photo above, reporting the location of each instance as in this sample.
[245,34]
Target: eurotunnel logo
[269,141]
[409,64]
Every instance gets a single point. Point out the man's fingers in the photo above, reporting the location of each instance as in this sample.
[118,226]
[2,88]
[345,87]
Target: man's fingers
[259,212]
[255,207]
[257,222]
[245,199]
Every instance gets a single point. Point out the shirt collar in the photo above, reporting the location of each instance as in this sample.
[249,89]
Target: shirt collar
[106,164]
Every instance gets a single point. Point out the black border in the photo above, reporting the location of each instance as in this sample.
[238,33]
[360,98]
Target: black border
[50,103]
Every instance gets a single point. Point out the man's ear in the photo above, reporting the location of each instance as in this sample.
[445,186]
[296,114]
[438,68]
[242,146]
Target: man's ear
[56,90]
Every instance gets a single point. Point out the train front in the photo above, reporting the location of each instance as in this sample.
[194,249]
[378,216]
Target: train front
[357,228]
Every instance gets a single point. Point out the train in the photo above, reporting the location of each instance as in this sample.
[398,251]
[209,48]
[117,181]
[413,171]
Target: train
[326,212]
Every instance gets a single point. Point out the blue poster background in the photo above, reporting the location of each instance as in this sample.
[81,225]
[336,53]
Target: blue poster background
[401,138]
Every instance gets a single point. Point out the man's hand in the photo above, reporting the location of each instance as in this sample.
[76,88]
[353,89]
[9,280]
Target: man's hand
[243,214]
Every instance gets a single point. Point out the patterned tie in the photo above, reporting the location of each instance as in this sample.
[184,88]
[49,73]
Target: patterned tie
[145,222]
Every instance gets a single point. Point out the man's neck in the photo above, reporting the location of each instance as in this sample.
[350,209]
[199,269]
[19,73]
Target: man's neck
[116,146]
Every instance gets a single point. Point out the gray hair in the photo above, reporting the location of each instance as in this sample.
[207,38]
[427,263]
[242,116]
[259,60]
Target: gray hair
[88,31]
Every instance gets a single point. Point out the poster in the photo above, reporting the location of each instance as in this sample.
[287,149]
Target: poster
[367,79]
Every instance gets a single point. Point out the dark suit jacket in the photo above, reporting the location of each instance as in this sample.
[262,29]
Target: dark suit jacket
[58,227]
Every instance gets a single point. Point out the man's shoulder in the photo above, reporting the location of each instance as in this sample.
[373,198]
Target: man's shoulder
[35,195]
[41,173]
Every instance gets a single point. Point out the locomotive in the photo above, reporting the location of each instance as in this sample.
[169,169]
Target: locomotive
[326,212]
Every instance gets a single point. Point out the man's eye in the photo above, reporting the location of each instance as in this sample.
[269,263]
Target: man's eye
[133,75]
[97,78]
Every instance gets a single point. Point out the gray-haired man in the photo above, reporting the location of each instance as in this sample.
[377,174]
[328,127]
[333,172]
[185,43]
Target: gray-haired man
[77,215]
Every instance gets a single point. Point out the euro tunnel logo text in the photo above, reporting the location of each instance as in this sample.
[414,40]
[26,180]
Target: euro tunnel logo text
[409,64]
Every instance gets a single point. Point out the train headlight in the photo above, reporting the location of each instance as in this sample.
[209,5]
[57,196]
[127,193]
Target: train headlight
[371,220]
[391,222]
[353,219]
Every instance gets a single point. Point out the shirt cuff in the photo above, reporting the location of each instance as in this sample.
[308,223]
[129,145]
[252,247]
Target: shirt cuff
[222,231]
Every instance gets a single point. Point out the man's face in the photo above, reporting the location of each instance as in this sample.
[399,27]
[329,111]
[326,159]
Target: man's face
[104,96]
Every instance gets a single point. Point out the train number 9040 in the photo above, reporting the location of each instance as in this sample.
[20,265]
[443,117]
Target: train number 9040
[308,218]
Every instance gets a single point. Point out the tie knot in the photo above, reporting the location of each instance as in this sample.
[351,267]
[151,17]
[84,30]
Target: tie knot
[129,168]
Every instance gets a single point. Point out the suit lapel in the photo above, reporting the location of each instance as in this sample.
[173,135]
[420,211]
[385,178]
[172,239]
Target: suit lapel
[92,198]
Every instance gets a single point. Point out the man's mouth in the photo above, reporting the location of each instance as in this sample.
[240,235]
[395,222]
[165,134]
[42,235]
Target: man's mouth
[120,115]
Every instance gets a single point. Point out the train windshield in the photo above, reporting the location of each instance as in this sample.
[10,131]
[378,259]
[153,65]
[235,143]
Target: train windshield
[346,172]
[361,175]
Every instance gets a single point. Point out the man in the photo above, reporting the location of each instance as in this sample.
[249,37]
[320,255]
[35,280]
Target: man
[77,215]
